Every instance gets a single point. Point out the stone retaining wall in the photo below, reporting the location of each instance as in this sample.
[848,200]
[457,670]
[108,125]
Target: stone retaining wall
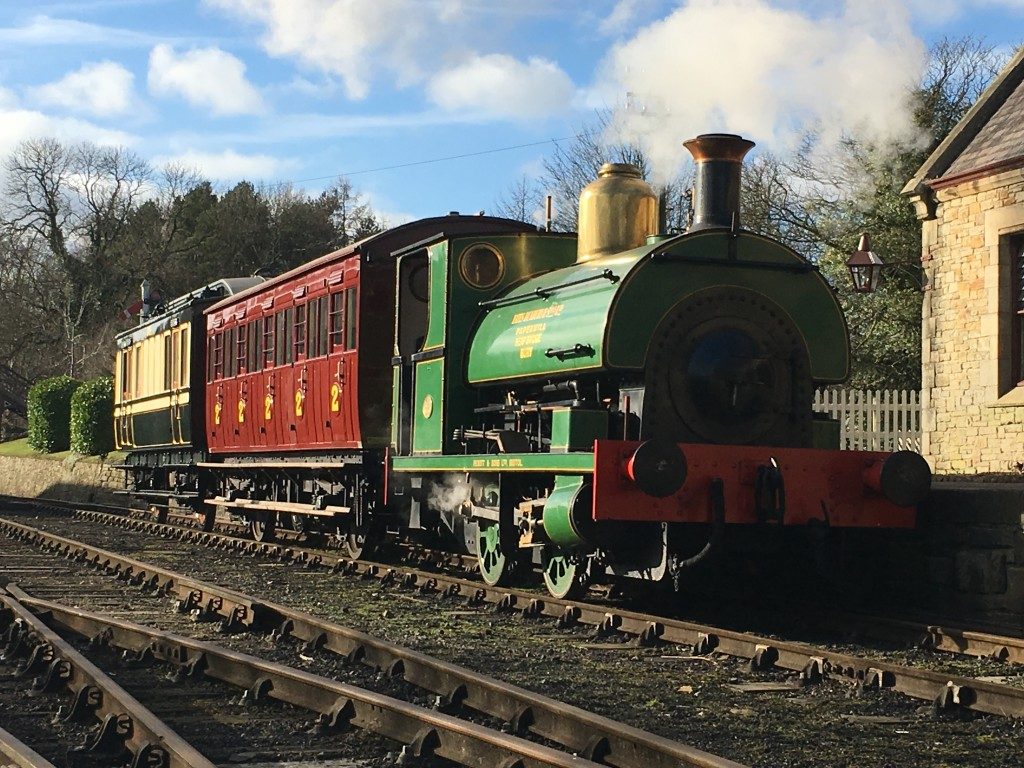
[73,479]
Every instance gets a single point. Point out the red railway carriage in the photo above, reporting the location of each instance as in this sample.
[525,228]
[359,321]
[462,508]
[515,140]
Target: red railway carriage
[298,373]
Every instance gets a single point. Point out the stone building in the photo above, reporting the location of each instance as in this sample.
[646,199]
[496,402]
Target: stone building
[969,196]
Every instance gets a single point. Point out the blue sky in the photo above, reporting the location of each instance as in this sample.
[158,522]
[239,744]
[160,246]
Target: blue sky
[305,90]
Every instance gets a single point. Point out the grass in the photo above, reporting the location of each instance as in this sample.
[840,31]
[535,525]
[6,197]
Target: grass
[21,448]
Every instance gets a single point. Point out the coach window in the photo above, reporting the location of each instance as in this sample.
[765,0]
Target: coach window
[299,332]
[137,389]
[312,329]
[324,330]
[253,356]
[289,335]
[279,335]
[337,319]
[183,369]
[268,341]
[350,318]
[126,366]
[241,343]
[168,361]
[218,356]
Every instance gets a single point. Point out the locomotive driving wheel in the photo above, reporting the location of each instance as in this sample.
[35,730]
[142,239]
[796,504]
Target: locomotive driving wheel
[497,568]
[565,575]
[357,541]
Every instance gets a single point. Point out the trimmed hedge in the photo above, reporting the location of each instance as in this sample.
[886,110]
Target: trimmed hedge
[92,417]
[49,413]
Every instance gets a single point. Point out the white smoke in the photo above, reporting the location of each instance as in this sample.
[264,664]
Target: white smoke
[770,73]
[450,493]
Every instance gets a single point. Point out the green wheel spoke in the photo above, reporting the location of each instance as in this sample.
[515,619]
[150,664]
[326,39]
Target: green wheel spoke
[563,575]
[496,568]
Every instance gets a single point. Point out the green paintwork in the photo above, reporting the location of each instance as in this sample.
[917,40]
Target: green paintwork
[563,577]
[576,429]
[454,310]
[618,319]
[495,566]
[567,463]
[558,511]
[426,436]
[437,256]
[395,377]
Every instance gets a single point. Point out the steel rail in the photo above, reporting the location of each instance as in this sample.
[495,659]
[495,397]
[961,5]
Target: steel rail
[811,662]
[126,723]
[15,754]
[575,728]
[425,732]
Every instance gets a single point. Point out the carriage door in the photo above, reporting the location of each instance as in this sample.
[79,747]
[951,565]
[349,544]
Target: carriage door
[413,319]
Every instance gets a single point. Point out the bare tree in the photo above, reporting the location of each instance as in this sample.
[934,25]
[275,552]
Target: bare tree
[522,201]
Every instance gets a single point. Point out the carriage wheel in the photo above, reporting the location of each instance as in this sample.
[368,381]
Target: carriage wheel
[564,575]
[262,525]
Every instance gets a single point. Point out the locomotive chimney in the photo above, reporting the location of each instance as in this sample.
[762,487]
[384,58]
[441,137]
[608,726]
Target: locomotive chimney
[716,186]
[618,211]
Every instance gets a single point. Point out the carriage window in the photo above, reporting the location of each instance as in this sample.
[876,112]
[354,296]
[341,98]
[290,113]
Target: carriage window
[137,389]
[336,318]
[230,355]
[350,318]
[252,348]
[218,357]
[289,328]
[167,361]
[313,329]
[183,360]
[299,334]
[279,345]
[126,357]
[268,341]
[323,334]
[241,344]
[175,359]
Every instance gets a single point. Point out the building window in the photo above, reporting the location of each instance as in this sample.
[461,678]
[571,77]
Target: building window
[1016,248]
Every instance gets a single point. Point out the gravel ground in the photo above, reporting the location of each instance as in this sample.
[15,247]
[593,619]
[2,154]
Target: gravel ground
[660,689]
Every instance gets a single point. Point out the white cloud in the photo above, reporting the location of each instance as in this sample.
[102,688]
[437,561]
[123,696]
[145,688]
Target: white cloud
[229,165]
[770,73]
[206,77]
[502,86]
[103,88]
[623,16]
[45,30]
[18,125]
[346,38]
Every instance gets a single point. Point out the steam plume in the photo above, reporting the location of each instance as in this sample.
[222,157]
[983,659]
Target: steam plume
[770,73]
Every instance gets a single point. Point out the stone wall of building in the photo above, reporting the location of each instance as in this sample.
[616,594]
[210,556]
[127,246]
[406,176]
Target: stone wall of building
[973,416]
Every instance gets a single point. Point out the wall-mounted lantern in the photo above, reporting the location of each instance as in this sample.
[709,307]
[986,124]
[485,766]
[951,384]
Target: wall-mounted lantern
[865,267]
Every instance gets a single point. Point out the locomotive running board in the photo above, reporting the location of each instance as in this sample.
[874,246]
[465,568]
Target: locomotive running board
[279,506]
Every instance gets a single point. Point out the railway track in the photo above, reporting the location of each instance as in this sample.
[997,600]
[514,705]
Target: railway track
[812,663]
[542,731]
[928,635]
[951,693]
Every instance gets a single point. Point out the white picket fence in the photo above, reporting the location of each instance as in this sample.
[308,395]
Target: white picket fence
[874,420]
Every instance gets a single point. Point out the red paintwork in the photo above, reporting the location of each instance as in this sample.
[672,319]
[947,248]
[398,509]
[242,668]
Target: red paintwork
[316,427]
[362,370]
[816,481]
